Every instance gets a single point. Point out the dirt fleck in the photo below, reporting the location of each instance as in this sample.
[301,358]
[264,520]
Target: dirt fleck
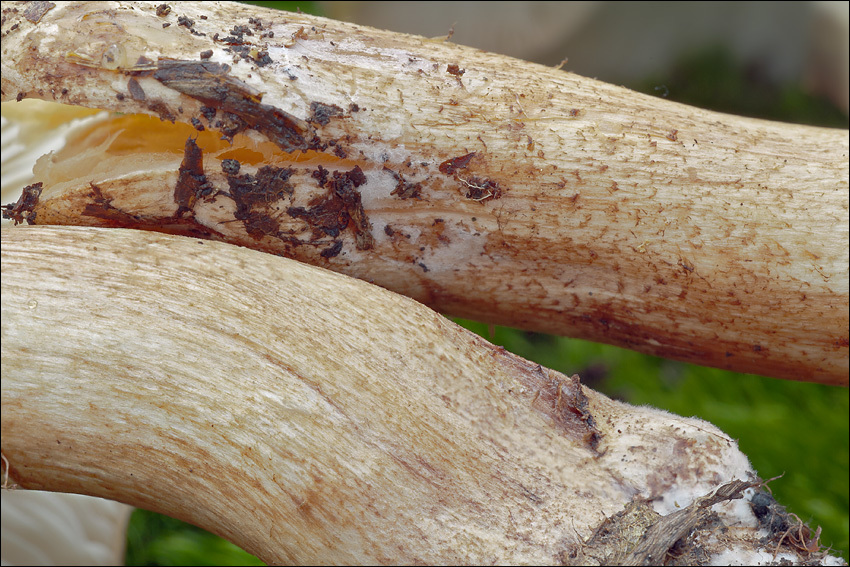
[160,109]
[326,214]
[786,528]
[404,189]
[23,209]
[248,52]
[36,10]
[322,113]
[332,251]
[197,124]
[163,10]
[135,89]
[320,175]
[230,166]
[300,34]
[185,22]
[454,69]
[237,34]
[208,112]
[450,166]
[671,135]
[479,189]
[770,514]
[206,54]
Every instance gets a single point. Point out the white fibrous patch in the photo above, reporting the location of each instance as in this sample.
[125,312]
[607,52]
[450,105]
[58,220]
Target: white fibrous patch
[698,457]
[742,556]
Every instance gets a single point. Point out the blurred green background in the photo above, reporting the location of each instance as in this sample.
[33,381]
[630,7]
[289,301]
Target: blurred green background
[791,428]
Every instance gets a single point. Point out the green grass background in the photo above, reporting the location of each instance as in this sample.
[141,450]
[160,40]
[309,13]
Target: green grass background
[791,428]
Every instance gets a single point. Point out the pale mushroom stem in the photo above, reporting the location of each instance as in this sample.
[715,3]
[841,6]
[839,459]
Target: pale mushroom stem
[480,185]
[310,417]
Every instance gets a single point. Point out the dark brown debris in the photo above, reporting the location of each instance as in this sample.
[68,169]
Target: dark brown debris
[162,110]
[230,166]
[322,113]
[269,185]
[454,69]
[450,166]
[191,184]
[320,174]
[255,195]
[345,186]
[404,189]
[135,89]
[325,215]
[332,213]
[479,189]
[332,250]
[23,209]
[212,84]
[208,112]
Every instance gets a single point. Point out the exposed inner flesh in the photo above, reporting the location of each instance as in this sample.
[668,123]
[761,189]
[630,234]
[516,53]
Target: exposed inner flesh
[68,146]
